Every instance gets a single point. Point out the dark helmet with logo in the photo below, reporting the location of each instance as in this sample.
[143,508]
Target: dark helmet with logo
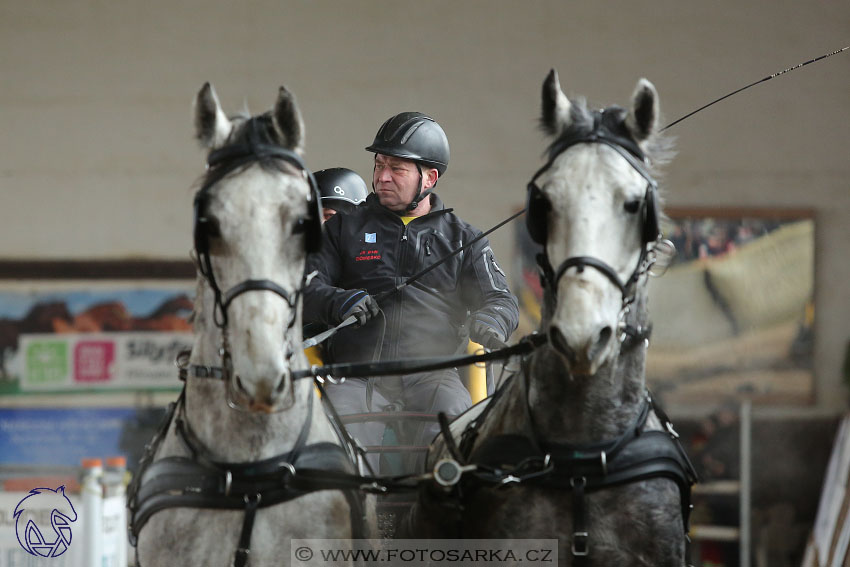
[413,136]
[340,186]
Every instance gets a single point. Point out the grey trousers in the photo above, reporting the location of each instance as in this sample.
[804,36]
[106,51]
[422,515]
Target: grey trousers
[427,392]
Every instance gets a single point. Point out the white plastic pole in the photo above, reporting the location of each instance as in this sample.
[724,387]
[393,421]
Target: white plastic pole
[114,513]
[92,512]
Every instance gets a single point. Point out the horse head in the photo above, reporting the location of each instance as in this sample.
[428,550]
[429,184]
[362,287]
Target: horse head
[594,208]
[256,217]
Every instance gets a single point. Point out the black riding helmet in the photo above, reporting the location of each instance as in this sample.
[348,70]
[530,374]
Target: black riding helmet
[341,188]
[417,137]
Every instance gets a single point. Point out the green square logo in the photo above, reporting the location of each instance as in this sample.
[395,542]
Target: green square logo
[47,362]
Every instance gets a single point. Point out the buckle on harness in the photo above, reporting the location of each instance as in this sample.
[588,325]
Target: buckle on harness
[373,488]
[579,547]
[241,557]
[228,482]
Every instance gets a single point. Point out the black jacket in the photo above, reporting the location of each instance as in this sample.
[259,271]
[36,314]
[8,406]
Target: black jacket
[371,249]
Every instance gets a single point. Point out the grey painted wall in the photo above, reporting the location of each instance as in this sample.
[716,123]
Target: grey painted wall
[98,159]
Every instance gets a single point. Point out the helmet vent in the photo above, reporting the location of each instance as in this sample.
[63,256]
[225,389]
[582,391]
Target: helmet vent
[410,132]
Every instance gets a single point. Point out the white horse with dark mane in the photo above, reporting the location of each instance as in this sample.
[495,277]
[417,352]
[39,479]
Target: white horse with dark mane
[240,468]
[571,447]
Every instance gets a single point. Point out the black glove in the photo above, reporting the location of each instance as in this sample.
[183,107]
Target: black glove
[485,334]
[363,309]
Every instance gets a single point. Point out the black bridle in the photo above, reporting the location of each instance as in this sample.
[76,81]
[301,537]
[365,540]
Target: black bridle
[220,163]
[538,207]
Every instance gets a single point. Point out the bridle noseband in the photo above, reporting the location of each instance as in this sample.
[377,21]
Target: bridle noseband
[220,163]
[539,206]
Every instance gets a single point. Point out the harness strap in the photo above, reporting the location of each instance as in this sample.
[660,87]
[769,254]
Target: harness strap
[579,543]
[243,551]
[411,365]
[180,482]
[199,451]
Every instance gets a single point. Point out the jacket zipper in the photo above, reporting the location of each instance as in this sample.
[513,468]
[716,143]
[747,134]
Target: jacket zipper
[395,324]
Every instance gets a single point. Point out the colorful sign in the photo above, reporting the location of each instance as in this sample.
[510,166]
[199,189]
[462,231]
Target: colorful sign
[64,436]
[104,360]
[61,335]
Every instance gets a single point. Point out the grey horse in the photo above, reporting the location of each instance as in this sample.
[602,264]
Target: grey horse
[229,480]
[571,447]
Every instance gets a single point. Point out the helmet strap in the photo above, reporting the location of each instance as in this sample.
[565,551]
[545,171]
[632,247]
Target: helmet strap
[420,195]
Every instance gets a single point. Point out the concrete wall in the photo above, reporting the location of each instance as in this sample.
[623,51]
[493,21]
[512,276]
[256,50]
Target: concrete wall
[98,159]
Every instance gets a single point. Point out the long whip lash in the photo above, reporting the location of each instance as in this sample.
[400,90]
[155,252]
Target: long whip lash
[769,77]
[319,338]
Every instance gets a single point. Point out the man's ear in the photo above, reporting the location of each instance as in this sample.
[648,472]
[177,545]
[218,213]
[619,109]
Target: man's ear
[429,177]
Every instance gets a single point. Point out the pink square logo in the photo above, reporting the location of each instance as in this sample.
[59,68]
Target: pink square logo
[93,361]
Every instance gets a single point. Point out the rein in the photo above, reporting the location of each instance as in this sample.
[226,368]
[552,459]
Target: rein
[376,369]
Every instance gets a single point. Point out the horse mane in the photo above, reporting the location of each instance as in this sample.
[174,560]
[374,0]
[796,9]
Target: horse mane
[251,132]
[658,148]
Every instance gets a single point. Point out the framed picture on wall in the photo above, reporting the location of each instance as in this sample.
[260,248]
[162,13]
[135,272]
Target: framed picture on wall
[734,314]
[93,326]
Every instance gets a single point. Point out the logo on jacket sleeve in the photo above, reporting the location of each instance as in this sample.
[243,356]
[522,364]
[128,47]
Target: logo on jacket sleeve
[371,237]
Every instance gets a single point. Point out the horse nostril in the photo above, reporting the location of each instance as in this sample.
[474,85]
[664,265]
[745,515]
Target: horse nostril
[241,386]
[601,342]
[557,340]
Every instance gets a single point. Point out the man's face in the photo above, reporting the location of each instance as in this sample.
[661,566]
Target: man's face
[396,181]
[327,213]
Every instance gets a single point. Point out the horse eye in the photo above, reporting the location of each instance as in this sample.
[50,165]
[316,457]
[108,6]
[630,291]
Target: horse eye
[632,206]
[211,226]
[300,225]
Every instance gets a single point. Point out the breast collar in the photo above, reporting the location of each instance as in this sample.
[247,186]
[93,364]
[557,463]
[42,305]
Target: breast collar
[201,481]
[635,455]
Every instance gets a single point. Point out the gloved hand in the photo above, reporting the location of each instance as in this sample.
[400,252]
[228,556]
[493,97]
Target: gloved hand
[363,309]
[485,334]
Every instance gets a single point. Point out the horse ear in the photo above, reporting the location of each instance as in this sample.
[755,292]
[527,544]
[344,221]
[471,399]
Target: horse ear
[642,121]
[556,106]
[287,121]
[211,124]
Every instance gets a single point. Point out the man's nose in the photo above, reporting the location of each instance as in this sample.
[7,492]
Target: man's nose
[383,174]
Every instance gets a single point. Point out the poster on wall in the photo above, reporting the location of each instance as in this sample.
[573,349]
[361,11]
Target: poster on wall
[61,437]
[60,335]
[732,317]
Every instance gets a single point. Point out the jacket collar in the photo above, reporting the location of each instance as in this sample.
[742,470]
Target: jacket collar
[437,205]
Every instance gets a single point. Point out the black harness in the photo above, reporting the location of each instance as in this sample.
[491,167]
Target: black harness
[201,481]
[514,458]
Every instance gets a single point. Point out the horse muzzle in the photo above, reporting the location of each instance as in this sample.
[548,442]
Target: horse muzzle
[585,355]
[263,395]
